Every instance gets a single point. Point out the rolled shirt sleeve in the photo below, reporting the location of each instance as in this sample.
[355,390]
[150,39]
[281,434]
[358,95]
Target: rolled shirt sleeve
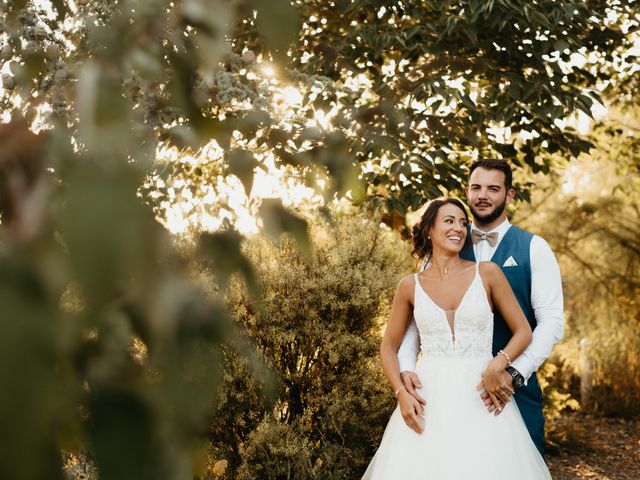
[548,308]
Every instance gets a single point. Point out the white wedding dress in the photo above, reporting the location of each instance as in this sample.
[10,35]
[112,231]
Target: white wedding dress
[461,439]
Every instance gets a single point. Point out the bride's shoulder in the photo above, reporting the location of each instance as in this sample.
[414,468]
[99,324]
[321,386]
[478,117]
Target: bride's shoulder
[405,287]
[468,263]
[489,270]
[408,281]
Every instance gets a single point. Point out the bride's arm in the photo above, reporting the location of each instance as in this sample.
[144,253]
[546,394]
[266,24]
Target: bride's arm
[505,301]
[401,311]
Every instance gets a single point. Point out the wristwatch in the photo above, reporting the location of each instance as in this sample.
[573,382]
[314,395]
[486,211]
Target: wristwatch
[517,380]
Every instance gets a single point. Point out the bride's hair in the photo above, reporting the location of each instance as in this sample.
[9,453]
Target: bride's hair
[422,247]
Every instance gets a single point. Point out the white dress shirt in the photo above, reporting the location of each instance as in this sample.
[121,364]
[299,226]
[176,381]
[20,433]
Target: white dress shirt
[546,301]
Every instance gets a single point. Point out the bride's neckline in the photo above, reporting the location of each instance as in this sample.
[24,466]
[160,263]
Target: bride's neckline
[473,279]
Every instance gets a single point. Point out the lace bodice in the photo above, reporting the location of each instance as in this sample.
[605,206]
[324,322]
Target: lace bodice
[471,332]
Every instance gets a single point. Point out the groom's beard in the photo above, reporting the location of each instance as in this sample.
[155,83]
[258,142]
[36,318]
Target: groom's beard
[481,220]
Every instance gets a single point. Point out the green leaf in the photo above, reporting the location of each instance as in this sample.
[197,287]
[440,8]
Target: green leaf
[561,46]
[514,91]
[223,250]
[252,121]
[61,8]
[277,21]
[102,213]
[213,20]
[121,434]
[541,18]
[278,220]
[242,164]
[16,6]
[29,369]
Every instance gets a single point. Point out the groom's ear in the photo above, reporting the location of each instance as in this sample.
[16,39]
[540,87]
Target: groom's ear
[511,194]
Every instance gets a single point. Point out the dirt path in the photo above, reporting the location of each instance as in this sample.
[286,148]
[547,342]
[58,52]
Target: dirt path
[596,448]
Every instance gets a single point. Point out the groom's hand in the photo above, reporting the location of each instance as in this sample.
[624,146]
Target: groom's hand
[411,381]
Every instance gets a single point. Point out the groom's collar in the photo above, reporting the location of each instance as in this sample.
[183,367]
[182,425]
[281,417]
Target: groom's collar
[500,229]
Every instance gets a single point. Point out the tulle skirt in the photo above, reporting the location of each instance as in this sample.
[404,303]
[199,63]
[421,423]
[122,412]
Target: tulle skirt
[461,439]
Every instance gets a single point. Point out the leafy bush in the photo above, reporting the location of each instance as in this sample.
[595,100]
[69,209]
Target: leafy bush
[557,400]
[317,325]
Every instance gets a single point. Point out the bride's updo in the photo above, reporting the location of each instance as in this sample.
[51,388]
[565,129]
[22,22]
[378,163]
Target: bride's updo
[422,247]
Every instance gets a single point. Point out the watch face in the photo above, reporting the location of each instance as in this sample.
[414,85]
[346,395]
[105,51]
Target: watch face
[516,376]
[518,380]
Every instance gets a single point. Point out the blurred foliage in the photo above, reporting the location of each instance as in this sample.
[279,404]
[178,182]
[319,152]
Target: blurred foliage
[317,325]
[108,349]
[590,217]
[105,344]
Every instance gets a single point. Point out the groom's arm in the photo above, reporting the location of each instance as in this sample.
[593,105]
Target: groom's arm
[407,359]
[547,304]
[408,351]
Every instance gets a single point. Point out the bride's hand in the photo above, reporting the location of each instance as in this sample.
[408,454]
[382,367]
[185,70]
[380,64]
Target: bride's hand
[492,403]
[497,383]
[411,410]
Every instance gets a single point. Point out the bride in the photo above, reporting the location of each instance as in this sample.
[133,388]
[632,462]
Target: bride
[455,438]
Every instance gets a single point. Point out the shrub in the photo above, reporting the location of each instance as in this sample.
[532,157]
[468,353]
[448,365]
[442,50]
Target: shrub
[317,326]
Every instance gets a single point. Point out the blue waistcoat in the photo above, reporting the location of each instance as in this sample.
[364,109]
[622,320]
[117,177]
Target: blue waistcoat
[516,244]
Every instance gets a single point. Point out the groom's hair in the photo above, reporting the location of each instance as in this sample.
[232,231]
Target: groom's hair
[495,164]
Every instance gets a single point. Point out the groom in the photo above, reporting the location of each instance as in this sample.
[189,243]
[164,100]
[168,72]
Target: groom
[534,275]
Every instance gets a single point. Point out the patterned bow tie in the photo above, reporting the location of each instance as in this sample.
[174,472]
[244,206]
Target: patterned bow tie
[492,237]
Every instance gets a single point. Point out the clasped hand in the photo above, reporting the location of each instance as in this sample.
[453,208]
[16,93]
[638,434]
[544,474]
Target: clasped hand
[411,403]
[495,391]
[495,388]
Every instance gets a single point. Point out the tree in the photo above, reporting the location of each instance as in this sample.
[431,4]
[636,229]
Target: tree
[590,217]
[412,92]
[441,77]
